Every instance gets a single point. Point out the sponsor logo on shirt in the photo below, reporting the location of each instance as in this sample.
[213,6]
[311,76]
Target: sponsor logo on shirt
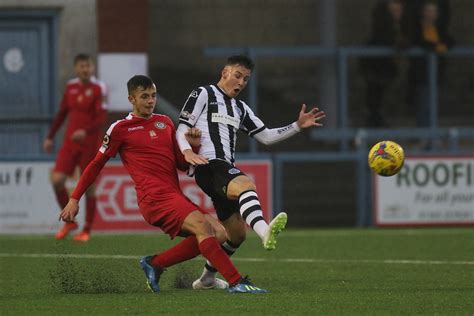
[130,129]
[186,115]
[284,129]
[225,119]
[160,125]
[234,171]
[73,91]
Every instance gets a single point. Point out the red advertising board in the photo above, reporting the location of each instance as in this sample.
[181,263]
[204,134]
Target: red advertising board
[117,208]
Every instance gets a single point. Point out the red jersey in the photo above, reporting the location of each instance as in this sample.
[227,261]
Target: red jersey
[149,151]
[85,106]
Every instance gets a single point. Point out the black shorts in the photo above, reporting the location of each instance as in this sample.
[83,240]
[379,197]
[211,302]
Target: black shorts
[213,179]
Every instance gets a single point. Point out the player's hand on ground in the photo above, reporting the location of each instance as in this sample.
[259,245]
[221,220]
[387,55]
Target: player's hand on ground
[310,118]
[194,159]
[193,136]
[78,135]
[70,211]
[48,145]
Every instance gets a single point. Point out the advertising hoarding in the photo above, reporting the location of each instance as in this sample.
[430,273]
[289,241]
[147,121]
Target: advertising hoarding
[427,191]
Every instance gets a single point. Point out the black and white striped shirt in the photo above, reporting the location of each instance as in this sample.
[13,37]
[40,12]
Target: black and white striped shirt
[219,118]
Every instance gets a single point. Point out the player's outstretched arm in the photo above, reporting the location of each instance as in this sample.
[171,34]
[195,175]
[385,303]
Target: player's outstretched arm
[311,118]
[271,136]
[87,178]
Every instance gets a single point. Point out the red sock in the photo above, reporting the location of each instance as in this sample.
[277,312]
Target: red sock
[62,196]
[213,252]
[185,250]
[91,206]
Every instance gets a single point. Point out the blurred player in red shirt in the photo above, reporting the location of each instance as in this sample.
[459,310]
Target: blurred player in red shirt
[83,104]
[150,153]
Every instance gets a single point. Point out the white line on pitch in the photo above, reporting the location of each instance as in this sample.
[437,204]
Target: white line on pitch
[290,260]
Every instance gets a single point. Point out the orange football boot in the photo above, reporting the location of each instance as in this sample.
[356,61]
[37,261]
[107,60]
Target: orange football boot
[82,236]
[63,232]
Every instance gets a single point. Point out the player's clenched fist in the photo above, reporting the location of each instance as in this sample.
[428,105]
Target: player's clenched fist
[193,136]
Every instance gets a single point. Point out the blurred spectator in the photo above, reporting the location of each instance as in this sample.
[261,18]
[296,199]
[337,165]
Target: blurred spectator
[379,72]
[430,31]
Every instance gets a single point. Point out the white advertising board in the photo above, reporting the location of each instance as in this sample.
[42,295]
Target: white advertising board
[27,201]
[427,191]
[28,204]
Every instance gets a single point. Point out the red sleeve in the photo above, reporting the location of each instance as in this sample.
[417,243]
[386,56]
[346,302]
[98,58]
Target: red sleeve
[89,175]
[59,118]
[99,115]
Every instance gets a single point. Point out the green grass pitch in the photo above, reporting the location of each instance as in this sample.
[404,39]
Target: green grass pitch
[312,272]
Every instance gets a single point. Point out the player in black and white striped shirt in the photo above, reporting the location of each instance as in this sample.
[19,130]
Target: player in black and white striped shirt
[216,112]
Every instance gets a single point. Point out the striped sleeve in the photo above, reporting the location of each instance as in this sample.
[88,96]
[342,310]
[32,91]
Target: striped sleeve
[193,107]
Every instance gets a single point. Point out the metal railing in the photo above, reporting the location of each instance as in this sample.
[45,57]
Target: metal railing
[342,54]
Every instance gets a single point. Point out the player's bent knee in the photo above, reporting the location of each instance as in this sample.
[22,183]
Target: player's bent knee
[196,224]
[221,234]
[239,185]
[203,231]
[219,229]
[58,180]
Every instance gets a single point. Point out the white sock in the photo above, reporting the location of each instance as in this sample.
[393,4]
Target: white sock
[208,276]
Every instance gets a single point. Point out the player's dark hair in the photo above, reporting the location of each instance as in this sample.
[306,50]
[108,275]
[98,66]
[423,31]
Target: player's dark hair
[240,60]
[139,81]
[82,57]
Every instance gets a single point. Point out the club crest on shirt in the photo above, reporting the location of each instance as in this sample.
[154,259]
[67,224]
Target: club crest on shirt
[160,125]
[106,140]
[88,92]
[105,143]
[234,171]
[194,94]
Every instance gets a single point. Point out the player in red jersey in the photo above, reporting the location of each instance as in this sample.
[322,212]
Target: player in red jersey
[149,151]
[84,105]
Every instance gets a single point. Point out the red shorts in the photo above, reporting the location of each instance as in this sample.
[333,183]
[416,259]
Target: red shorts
[167,211]
[70,156]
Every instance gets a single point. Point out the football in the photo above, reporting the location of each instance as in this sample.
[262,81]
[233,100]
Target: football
[386,158]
